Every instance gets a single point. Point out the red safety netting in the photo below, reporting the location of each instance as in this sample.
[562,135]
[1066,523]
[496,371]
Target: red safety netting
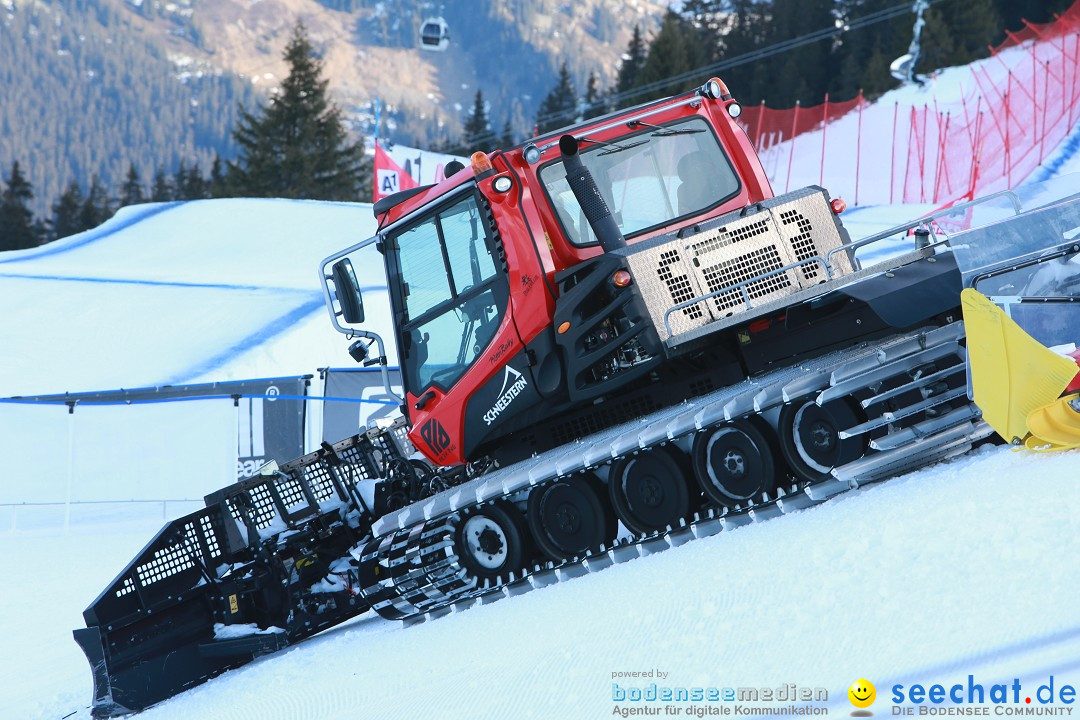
[768,126]
[968,132]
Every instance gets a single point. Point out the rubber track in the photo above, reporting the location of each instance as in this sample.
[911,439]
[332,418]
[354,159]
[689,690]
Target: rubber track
[426,579]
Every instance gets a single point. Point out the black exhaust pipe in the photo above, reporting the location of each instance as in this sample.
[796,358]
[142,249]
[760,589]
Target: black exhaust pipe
[588,196]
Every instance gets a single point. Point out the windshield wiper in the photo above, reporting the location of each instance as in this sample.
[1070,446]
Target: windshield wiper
[662,131]
[613,148]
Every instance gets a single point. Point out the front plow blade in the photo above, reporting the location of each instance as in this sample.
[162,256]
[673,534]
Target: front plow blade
[265,564]
[124,685]
[147,634]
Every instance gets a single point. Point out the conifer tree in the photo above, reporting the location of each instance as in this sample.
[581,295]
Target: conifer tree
[131,192]
[973,24]
[217,188]
[17,229]
[937,48]
[162,191]
[506,139]
[96,208]
[67,212]
[559,106]
[477,134]
[632,62]
[188,183]
[673,51]
[595,106]
[297,145]
[197,187]
[180,181]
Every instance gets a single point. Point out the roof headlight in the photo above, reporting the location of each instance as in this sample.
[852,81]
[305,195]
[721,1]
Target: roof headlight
[531,153]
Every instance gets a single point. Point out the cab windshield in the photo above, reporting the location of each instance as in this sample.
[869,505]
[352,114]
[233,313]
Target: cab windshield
[648,179]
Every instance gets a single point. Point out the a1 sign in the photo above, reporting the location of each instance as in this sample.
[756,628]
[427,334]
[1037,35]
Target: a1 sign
[388,182]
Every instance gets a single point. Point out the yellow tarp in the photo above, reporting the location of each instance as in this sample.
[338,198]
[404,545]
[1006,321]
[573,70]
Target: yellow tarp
[1012,374]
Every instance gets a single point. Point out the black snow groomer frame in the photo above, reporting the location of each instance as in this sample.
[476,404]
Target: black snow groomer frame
[266,563]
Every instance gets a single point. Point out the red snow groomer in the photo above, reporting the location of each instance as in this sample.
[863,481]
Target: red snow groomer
[612,339]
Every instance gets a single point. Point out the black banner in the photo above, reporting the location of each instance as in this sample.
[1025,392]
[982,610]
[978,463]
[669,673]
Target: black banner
[270,423]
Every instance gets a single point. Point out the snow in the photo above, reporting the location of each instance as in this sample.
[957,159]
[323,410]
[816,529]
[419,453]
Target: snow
[966,568]
[162,294]
[185,290]
[959,569]
[231,632]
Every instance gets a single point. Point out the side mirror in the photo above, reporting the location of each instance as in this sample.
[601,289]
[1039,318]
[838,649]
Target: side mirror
[347,291]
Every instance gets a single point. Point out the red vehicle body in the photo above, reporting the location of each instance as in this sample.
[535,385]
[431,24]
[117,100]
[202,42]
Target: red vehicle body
[537,248]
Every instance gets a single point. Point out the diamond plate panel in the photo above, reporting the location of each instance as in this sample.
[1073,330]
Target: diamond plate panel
[808,228]
[737,251]
[665,279]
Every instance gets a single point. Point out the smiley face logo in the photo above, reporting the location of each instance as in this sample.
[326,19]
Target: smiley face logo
[862,693]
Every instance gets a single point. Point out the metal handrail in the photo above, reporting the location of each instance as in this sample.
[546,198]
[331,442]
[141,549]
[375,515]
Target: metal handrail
[925,222]
[741,287]
[826,262]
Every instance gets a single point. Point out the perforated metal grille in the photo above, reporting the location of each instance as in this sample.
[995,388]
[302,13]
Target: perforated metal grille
[729,235]
[808,227]
[263,508]
[738,269]
[292,494]
[319,481]
[664,279]
[234,510]
[355,459]
[210,534]
[401,435]
[784,235]
[802,241]
[197,540]
[166,563]
[678,285]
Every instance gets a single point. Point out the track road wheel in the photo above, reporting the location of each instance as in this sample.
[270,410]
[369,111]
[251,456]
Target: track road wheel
[650,490]
[810,437]
[491,540]
[569,516]
[733,463]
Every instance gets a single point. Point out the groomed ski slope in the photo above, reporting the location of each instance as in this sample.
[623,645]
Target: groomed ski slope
[964,568]
[176,293]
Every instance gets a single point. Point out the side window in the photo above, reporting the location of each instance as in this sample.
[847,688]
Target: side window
[452,296]
[470,260]
[426,283]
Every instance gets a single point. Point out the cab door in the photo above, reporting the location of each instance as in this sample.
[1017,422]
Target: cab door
[450,297]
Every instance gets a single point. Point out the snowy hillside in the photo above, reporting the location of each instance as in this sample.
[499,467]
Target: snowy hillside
[965,568]
[183,292]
